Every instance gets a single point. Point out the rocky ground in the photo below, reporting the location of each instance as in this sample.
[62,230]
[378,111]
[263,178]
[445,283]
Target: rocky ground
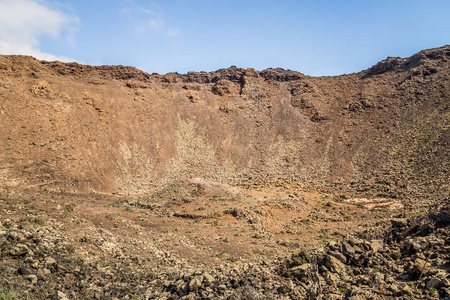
[233,184]
[61,248]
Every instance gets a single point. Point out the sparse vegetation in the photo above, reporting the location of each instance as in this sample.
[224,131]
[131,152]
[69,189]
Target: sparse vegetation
[297,258]
[210,185]
[7,293]
[33,220]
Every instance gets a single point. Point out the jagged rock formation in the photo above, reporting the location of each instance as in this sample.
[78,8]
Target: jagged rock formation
[72,127]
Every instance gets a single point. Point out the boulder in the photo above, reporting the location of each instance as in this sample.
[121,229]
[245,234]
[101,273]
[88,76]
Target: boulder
[376,245]
[331,278]
[19,250]
[421,267]
[24,271]
[334,264]
[435,283]
[60,296]
[339,256]
[399,222]
[49,262]
[301,272]
[32,278]
[348,250]
[195,283]
[208,278]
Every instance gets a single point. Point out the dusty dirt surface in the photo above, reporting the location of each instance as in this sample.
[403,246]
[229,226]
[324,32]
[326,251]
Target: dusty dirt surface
[200,239]
[209,228]
[196,224]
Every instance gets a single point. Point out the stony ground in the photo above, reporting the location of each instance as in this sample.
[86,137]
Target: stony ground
[267,243]
[233,184]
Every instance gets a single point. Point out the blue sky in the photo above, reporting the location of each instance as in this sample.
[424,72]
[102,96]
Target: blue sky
[313,37]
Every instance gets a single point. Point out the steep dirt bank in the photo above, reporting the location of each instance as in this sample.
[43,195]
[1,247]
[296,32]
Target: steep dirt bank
[70,127]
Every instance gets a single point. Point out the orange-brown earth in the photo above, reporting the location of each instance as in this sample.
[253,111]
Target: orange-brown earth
[71,127]
[126,178]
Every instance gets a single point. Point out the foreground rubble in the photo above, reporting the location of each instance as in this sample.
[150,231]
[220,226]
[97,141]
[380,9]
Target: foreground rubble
[412,260]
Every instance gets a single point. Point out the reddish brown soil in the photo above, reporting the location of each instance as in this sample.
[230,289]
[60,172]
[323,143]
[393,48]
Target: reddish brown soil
[71,128]
[230,167]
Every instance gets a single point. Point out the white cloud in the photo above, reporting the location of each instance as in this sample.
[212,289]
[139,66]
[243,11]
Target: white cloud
[148,20]
[147,11]
[156,25]
[173,32]
[23,22]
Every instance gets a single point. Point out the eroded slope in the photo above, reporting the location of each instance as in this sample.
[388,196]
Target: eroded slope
[70,127]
